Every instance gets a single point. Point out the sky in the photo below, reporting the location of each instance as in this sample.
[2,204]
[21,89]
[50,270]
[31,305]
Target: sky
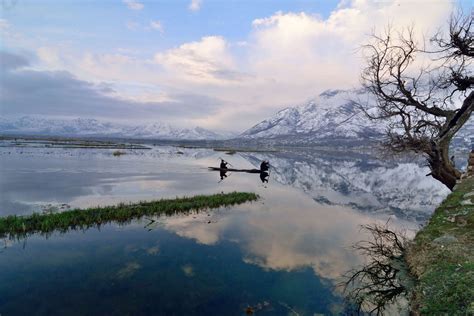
[221,65]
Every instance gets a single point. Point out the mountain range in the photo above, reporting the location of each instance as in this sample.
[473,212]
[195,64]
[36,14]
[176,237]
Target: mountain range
[31,125]
[331,118]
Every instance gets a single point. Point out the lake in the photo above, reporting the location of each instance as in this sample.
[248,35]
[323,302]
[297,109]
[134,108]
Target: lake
[281,255]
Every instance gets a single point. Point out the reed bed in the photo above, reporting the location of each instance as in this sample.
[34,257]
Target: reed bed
[14,227]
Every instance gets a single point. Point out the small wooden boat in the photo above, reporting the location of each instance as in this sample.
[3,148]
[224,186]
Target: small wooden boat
[235,170]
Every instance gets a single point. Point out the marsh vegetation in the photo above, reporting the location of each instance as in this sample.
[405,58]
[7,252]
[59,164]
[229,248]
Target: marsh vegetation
[118,153]
[21,226]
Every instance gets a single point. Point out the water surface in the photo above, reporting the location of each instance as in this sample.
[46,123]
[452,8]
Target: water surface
[281,255]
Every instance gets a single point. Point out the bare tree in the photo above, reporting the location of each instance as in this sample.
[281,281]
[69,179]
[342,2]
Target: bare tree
[425,94]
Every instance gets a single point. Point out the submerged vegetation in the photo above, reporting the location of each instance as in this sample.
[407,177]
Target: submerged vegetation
[21,226]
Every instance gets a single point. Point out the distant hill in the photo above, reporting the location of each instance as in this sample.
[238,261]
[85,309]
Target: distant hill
[31,125]
[330,119]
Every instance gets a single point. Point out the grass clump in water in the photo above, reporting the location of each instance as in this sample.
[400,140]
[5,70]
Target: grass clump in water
[21,226]
[118,153]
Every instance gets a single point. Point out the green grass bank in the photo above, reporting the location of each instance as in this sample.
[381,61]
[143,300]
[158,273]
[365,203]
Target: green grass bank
[21,226]
[441,257]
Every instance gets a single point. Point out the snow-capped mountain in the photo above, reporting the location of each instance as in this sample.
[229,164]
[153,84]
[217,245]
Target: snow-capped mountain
[333,115]
[333,118]
[31,125]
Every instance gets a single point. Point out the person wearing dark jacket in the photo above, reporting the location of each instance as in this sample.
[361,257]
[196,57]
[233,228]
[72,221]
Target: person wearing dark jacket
[265,165]
[223,164]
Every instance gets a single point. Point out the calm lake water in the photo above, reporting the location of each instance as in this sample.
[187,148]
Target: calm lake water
[281,255]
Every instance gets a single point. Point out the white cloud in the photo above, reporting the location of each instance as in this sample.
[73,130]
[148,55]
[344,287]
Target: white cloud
[134,4]
[131,25]
[14,38]
[318,244]
[195,5]
[156,25]
[287,58]
[151,26]
[60,93]
[205,61]
[49,56]
[4,25]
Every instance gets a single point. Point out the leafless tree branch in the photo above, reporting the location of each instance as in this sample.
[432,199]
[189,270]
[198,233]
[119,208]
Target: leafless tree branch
[419,102]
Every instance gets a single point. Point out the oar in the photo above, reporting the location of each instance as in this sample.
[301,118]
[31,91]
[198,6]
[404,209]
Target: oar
[226,162]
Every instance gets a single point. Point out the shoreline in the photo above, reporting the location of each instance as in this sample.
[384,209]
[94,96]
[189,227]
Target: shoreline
[441,256]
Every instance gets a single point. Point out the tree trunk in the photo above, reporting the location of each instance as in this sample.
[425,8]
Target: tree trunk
[442,168]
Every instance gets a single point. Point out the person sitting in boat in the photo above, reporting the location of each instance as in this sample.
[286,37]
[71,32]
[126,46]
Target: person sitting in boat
[265,165]
[224,164]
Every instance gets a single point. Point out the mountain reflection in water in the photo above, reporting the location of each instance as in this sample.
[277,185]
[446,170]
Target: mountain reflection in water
[362,182]
[281,254]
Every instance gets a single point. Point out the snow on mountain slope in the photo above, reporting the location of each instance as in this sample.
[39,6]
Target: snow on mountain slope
[32,125]
[333,114]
